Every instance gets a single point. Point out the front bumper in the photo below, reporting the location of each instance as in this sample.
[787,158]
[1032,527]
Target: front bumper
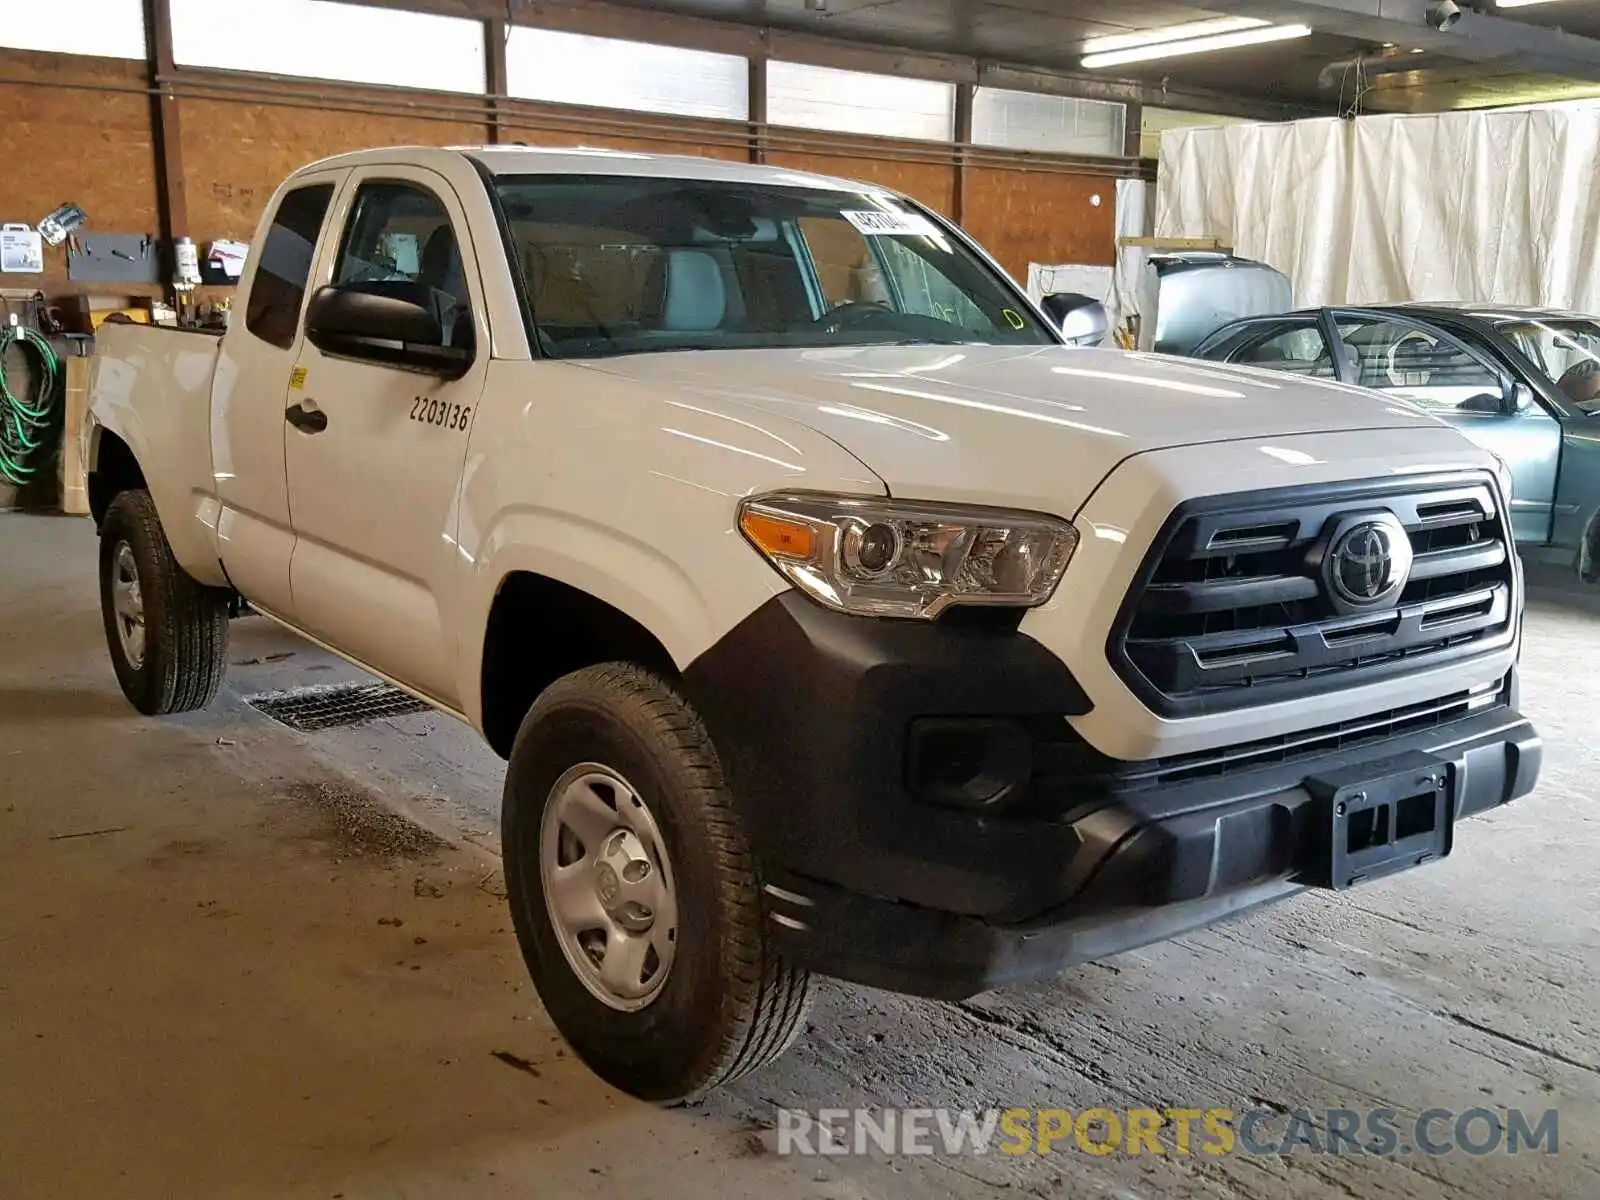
[879,871]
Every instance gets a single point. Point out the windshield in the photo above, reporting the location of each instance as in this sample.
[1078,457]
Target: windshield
[1566,349]
[617,265]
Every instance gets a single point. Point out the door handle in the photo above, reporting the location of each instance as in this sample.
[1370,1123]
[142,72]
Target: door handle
[306,417]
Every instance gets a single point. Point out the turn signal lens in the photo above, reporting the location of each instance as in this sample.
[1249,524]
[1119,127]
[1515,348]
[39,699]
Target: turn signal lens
[776,537]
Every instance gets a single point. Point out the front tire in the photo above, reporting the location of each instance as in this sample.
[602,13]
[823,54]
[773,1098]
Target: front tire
[168,635]
[635,896]
[1589,553]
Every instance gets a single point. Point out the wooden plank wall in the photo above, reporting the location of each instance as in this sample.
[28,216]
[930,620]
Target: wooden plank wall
[74,128]
[1027,216]
[236,154]
[77,128]
[933,183]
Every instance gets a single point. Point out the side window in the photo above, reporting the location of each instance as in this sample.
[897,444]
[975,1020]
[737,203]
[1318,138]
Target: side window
[399,242]
[279,288]
[1412,362]
[1299,350]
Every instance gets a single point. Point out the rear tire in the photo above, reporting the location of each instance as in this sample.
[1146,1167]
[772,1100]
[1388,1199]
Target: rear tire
[726,1004]
[168,635]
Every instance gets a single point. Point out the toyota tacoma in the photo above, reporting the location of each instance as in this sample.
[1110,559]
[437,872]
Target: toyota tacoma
[834,615]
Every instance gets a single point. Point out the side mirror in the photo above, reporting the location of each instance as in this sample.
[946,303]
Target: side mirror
[1082,320]
[382,327]
[1522,399]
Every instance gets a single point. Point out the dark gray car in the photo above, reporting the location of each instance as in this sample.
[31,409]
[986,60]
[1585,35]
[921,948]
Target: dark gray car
[1521,382]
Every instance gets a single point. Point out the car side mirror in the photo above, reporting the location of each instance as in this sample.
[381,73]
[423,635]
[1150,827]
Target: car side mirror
[1082,320]
[1522,399]
[382,327]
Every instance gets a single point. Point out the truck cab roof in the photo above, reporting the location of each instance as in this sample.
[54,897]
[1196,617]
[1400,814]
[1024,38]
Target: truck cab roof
[593,160]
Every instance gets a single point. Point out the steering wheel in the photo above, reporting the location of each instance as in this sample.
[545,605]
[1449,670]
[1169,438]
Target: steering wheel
[852,313]
[1392,366]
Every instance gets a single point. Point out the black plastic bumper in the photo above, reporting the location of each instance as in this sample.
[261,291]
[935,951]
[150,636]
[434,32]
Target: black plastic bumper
[890,861]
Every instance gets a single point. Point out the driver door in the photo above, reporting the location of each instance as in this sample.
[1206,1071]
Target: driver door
[374,480]
[1460,383]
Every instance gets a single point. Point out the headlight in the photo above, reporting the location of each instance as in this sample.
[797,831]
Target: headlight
[889,558]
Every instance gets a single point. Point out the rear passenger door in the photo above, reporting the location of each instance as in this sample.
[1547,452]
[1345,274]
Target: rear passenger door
[253,371]
[374,479]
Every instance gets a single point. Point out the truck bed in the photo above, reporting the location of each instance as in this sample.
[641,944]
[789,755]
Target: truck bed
[153,384]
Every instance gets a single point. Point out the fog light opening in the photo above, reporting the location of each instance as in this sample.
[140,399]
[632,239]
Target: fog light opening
[976,763]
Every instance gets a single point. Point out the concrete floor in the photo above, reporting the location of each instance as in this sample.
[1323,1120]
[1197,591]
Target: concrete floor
[238,961]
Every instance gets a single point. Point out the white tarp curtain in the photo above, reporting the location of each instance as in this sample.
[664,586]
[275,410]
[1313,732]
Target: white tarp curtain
[1496,207]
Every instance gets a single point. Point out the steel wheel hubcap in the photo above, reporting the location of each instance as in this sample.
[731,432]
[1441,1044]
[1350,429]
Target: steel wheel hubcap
[608,886]
[127,604]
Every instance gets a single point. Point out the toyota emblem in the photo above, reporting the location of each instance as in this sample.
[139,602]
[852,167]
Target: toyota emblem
[1369,561]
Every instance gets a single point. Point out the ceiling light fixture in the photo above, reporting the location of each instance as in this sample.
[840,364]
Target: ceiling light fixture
[1520,3]
[1197,45]
[1171,33]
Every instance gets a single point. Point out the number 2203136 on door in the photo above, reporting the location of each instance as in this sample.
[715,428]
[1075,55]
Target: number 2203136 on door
[438,412]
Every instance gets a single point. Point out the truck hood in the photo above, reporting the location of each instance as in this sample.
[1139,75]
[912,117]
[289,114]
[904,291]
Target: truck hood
[1035,427]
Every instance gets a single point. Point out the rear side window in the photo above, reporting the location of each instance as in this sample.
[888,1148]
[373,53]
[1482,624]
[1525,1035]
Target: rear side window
[279,288]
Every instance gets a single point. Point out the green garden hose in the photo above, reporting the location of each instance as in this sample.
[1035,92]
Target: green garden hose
[27,424]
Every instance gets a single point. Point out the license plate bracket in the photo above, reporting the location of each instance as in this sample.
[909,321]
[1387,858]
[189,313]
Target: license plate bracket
[1379,818]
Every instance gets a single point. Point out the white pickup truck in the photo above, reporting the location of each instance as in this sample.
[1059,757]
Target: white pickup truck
[834,615]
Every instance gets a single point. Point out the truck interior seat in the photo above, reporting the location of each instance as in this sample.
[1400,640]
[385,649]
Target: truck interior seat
[696,299]
[441,272]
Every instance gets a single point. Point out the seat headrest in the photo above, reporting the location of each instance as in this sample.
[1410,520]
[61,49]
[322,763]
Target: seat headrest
[1581,382]
[696,297]
[440,265]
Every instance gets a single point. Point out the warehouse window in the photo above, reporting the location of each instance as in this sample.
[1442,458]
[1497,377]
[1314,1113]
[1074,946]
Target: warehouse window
[102,28]
[279,287]
[320,39]
[1053,124]
[854,102]
[573,68]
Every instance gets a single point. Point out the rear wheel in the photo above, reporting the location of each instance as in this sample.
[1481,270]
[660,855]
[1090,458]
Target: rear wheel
[168,635]
[634,894]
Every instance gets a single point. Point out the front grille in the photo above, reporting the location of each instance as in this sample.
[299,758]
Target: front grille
[1232,608]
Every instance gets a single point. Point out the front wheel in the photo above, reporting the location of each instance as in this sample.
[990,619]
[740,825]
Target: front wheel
[168,634]
[1589,553]
[635,897]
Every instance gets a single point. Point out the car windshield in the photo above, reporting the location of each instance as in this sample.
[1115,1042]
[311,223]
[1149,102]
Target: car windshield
[618,265]
[1566,349]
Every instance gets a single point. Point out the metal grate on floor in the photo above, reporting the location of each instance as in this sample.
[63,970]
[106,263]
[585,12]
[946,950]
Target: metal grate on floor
[331,706]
